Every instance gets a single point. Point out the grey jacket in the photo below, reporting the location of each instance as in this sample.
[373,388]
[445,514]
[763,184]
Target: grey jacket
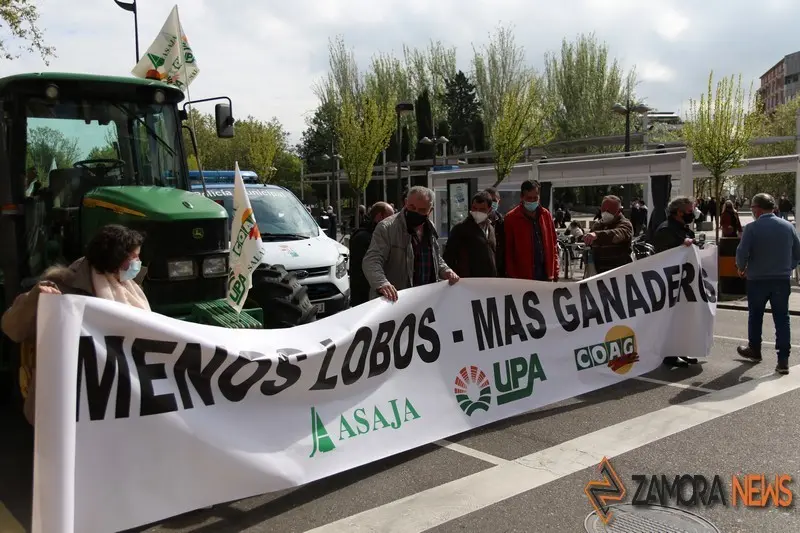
[390,258]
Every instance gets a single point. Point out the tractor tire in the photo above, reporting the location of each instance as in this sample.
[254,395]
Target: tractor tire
[283,300]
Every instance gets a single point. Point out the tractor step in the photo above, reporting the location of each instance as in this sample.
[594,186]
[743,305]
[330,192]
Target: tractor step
[219,313]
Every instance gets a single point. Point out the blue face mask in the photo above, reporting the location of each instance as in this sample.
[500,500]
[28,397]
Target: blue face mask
[531,206]
[495,205]
[133,270]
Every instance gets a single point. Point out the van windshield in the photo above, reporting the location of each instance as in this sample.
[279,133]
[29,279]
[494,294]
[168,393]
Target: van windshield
[279,214]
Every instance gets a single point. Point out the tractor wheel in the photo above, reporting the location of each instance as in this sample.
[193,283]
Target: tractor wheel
[283,300]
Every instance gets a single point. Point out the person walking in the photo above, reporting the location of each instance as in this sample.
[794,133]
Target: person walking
[359,244]
[530,237]
[768,254]
[471,245]
[672,233]
[496,218]
[404,251]
[784,207]
[729,221]
[610,237]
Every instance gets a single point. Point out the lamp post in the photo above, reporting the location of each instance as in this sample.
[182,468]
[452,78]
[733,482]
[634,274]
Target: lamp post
[337,158]
[440,140]
[627,110]
[302,185]
[402,108]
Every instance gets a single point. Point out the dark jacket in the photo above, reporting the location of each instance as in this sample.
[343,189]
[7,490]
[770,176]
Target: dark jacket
[671,234]
[612,248]
[470,251]
[498,221]
[359,244]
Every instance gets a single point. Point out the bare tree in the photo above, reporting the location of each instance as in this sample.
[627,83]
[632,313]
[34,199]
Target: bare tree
[719,129]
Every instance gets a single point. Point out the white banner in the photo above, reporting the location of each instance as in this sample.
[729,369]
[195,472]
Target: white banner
[174,416]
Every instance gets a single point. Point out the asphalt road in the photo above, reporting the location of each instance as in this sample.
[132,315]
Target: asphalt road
[528,474]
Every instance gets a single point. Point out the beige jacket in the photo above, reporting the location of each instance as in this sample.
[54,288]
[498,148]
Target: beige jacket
[19,320]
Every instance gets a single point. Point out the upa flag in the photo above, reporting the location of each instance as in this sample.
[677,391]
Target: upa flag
[169,58]
[246,246]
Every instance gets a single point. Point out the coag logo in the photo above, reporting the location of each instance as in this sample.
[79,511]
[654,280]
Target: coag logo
[619,351]
[471,382]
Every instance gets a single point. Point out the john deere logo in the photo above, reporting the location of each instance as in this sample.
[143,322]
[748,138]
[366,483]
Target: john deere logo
[198,233]
[618,352]
[471,382]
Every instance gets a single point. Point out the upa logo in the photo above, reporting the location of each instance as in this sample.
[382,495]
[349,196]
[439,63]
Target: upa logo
[469,381]
[513,380]
[619,352]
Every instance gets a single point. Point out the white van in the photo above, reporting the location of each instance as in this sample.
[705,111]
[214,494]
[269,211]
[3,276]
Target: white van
[293,238]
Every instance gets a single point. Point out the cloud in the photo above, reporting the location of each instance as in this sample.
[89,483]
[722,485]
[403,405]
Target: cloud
[267,55]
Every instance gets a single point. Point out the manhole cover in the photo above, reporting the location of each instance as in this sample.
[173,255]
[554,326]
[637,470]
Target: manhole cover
[649,519]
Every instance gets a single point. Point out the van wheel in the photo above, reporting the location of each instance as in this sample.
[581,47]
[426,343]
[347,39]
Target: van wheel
[283,300]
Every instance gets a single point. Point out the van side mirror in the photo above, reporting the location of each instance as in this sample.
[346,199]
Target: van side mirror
[224,119]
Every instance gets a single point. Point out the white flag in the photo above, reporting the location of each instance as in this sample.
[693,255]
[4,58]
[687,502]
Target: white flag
[246,246]
[169,58]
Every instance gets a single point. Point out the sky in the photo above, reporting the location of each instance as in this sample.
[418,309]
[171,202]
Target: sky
[267,55]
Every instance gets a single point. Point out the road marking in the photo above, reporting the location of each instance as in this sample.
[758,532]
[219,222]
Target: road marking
[9,524]
[438,505]
[745,341]
[471,452]
[673,384]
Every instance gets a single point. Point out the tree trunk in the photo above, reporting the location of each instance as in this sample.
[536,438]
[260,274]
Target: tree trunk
[718,182]
[356,215]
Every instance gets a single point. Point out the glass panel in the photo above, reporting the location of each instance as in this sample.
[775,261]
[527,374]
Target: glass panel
[278,212]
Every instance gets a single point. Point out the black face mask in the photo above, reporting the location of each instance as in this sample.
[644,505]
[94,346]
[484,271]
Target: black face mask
[688,218]
[414,219]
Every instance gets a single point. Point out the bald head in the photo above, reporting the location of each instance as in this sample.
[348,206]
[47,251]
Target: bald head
[379,211]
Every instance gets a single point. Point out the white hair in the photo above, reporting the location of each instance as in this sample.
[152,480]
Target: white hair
[421,191]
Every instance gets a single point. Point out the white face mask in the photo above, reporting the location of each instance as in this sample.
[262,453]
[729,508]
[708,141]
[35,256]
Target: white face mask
[697,213]
[479,217]
[606,217]
[575,232]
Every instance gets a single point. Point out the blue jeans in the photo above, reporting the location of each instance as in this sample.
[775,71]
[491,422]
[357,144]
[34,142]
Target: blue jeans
[776,292]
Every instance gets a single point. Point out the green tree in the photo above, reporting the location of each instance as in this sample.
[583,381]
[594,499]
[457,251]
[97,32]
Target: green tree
[318,138]
[499,68]
[430,69]
[19,22]
[719,129]
[585,83]
[365,125]
[460,100]
[522,120]
[424,116]
[45,145]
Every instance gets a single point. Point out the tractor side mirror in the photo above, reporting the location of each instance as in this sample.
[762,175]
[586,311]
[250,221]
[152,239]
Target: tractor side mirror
[224,119]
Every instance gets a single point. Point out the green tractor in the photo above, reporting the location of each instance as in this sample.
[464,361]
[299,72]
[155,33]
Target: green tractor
[78,152]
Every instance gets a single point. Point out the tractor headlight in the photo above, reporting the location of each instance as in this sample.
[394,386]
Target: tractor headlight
[180,269]
[341,267]
[214,266]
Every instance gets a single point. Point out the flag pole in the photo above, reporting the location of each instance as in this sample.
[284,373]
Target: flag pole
[132,8]
[182,55]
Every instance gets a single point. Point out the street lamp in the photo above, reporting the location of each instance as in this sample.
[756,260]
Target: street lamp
[338,158]
[402,108]
[440,140]
[627,110]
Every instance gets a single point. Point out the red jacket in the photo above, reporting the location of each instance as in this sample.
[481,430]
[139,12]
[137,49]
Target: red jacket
[519,243]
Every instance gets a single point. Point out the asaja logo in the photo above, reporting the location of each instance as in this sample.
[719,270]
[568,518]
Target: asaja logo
[513,380]
[619,351]
[471,382]
[359,422]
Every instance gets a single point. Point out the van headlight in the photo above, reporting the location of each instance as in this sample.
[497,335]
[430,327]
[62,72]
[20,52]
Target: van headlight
[180,269]
[214,266]
[341,267]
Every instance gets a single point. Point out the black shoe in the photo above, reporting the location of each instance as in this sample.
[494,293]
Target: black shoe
[782,368]
[691,360]
[675,362]
[748,353]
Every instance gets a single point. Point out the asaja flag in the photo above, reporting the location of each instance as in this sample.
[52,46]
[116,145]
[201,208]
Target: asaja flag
[169,58]
[246,248]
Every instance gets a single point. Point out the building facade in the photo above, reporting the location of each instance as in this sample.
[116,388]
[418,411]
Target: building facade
[781,83]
